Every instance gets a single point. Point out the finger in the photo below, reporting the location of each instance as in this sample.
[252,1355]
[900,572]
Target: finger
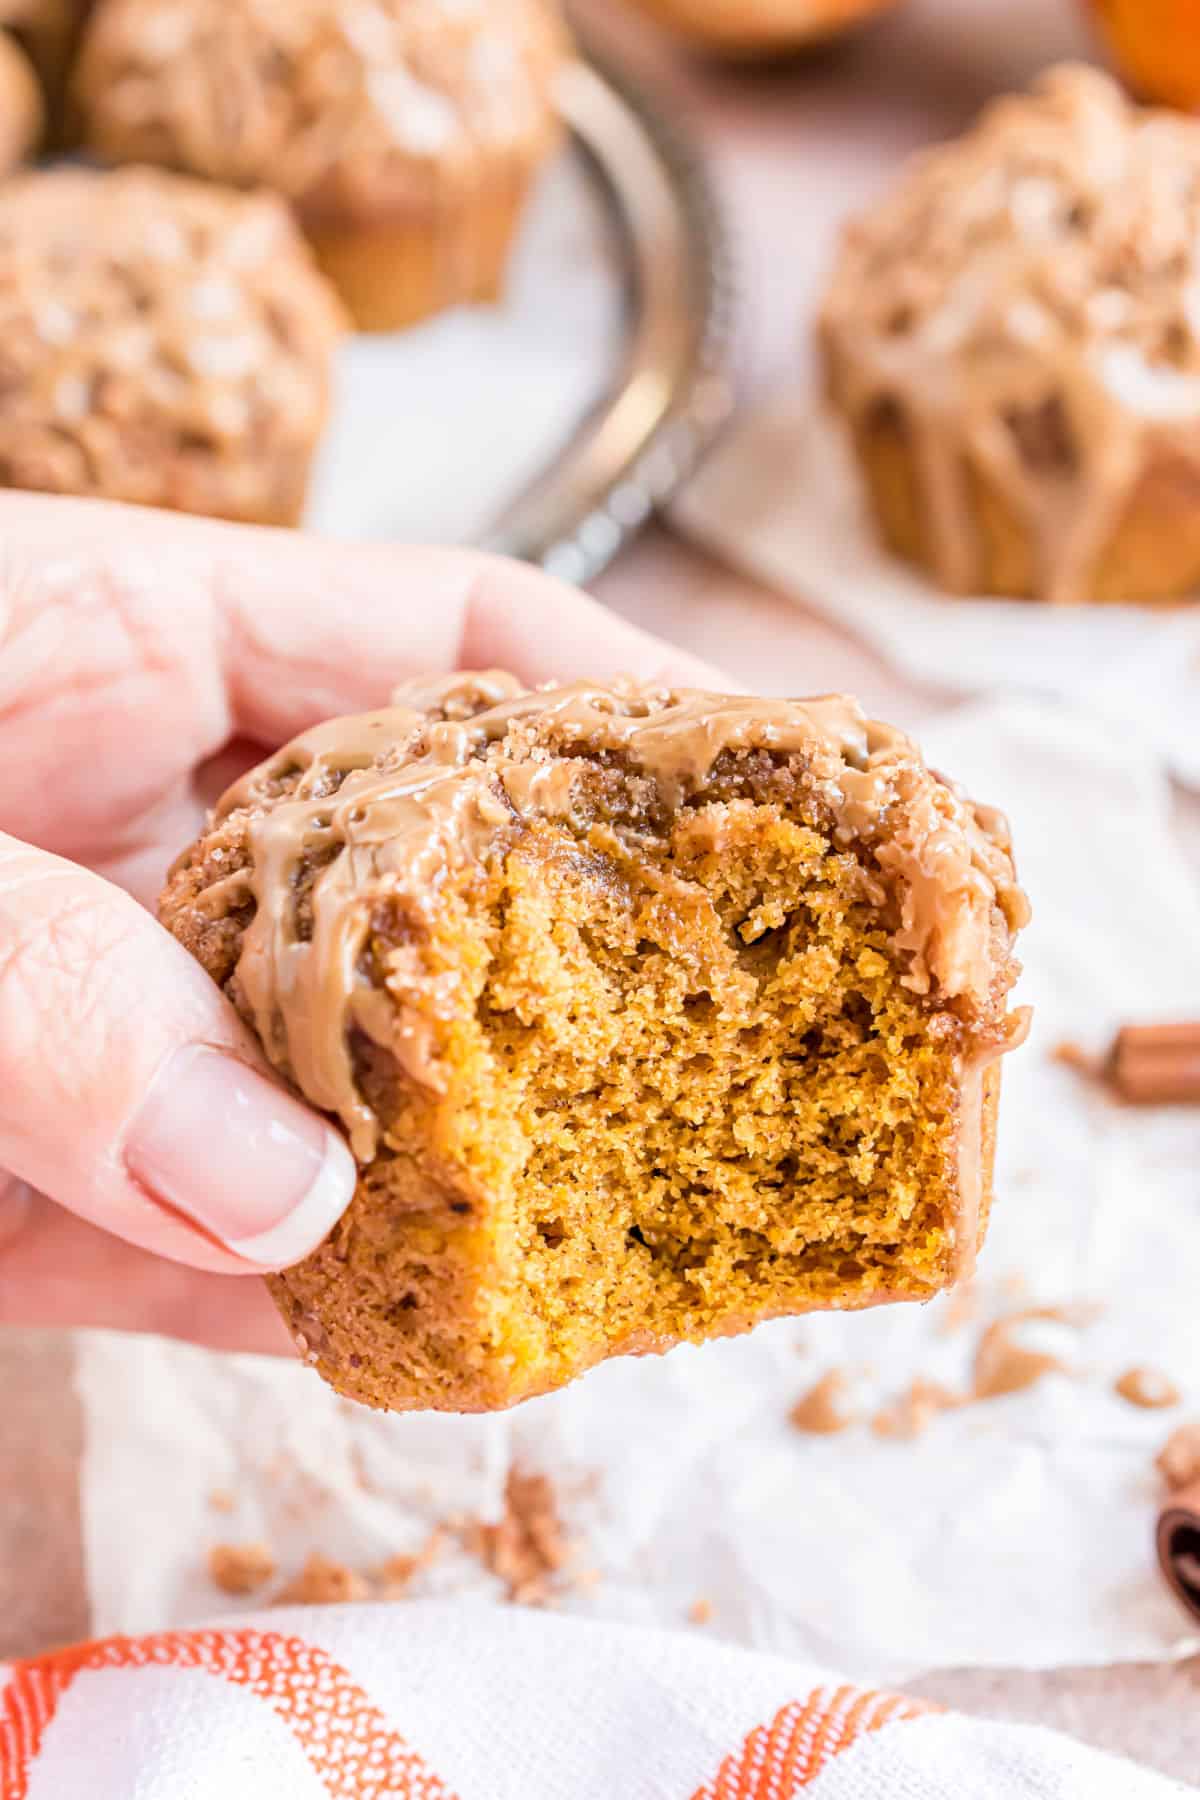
[111,684]
[135,859]
[56,1270]
[121,626]
[130,1091]
[367,618]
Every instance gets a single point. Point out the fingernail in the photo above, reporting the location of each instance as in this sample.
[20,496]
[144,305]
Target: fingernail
[239,1157]
[16,1209]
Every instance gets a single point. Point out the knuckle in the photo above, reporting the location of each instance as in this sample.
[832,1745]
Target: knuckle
[61,942]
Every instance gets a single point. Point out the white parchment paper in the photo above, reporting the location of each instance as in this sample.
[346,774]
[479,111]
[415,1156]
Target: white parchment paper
[780,500]
[1016,1531]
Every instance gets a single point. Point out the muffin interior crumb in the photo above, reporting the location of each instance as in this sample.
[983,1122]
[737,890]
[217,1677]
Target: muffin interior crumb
[697,1088]
[241,1568]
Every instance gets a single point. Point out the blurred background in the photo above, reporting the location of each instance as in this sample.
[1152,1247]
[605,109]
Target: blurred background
[1005,1563]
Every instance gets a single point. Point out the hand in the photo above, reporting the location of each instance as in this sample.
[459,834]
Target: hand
[146,658]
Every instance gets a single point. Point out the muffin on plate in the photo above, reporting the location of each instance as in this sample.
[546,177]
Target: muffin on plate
[650,1015]
[22,113]
[161,341]
[1012,335]
[761,28]
[406,132]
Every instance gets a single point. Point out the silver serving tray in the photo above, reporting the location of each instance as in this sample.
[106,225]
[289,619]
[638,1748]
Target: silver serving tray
[672,389]
[549,425]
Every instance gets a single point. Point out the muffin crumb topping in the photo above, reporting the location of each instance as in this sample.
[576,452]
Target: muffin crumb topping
[1024,307]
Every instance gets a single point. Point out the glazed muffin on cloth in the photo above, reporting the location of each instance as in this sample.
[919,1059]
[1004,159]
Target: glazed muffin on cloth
[761,28]
[162,341]
[650,1015]
[406,132]
[22,112]
[1013,336]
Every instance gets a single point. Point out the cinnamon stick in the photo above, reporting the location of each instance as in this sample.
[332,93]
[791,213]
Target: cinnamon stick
[1153,1065]
[1178,1543]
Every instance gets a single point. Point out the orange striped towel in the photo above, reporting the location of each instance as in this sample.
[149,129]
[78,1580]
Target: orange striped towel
[448,1701]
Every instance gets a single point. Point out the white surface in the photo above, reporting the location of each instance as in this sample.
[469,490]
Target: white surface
[1016,1532]
[441,1701]
[779,500]
[435,430]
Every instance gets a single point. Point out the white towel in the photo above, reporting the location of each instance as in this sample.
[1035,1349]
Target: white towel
[448,1701]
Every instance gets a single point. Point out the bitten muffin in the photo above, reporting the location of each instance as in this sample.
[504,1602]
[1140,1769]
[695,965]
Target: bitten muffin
[22,114]
[761,28]
[1013,336]
[161,341]
[650,1015]
[406,132]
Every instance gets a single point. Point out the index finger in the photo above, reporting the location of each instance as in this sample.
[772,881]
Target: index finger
[293,629]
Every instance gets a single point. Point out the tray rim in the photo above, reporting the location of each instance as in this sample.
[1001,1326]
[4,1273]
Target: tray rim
[546,524]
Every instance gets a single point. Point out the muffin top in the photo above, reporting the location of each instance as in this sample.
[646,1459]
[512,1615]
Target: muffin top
[345,105]
[1063,230]
[157,335]
[401,807]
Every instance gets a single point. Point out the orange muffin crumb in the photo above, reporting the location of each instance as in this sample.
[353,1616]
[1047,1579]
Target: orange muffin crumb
[241,1568]
[1148,1388]
[323,1582]
[1178,1462]
[823,1409]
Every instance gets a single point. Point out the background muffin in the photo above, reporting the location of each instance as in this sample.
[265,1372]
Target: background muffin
[22,114]
[162,341]
[48,30]
[1013,336]
[747,28]
[407,132]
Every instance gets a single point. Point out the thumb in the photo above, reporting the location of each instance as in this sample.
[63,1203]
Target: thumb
[130,1091]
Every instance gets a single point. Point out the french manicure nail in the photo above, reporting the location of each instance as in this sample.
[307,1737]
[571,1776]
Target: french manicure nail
[16,1208]
[220,1144]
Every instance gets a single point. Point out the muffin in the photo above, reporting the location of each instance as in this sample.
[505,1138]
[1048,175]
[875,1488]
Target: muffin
[758,28]
[406,132]
[48,31]
[1013,338]
[22,114]
[649,1014]
[161,341]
